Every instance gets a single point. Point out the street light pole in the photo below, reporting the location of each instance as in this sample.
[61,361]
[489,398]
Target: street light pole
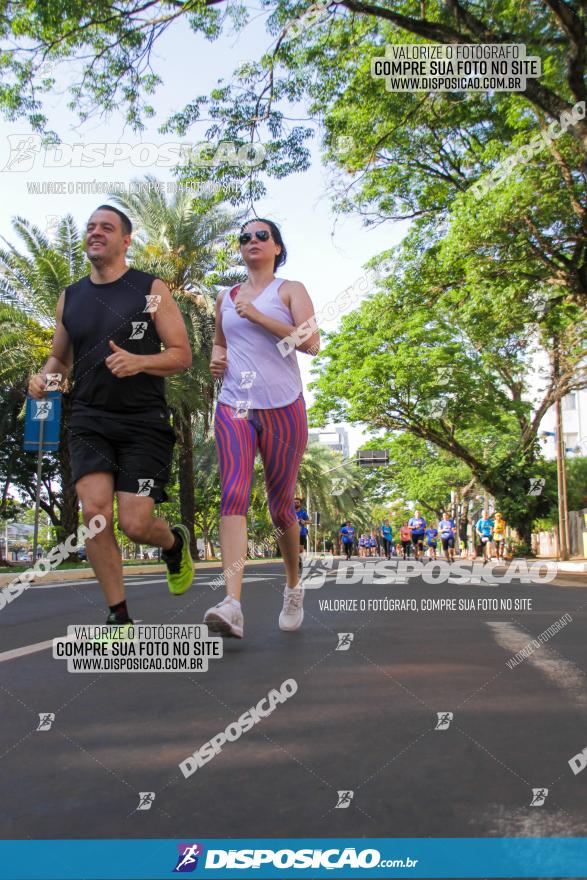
[309,517]
[561,478]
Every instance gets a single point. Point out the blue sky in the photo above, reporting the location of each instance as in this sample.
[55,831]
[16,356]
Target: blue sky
[326,256]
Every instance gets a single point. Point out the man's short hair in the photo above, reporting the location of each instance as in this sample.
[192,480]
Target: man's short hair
[126,224]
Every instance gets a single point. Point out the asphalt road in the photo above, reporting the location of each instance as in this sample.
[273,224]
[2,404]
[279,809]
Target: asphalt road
[362,720]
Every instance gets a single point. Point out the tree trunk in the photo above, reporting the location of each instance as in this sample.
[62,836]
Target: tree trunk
[462,524]
[185,470]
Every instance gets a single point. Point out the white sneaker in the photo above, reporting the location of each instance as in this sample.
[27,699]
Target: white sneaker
[226,619]
[292,613]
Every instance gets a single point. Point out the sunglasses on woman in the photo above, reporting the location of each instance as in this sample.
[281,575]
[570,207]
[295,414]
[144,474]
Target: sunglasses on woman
[261,234]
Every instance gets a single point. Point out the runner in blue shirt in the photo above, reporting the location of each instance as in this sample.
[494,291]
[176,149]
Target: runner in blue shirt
[303,518]
[387,534]
[347,536]
[484,530]
[431,536]
[417,524]
[446,527]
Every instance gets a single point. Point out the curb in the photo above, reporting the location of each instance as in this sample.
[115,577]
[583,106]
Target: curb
[70,574]
[579,566]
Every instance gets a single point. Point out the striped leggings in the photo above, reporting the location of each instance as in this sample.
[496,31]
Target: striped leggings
[281,435]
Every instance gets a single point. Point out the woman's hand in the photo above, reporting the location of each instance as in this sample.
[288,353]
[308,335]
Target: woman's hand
[247,310]
[218,365]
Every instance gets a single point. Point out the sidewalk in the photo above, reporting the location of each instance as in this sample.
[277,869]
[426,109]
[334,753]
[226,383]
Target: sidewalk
[576,564]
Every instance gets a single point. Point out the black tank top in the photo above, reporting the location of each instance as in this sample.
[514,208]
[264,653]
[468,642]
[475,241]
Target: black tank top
[92,315]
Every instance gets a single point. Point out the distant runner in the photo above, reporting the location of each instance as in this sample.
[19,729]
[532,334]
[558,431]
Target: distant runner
[431,542]
[405,536]
[499,536]
[446,527]
[484,531]
[417,524]
[347,535]
[303,518]
[387,535]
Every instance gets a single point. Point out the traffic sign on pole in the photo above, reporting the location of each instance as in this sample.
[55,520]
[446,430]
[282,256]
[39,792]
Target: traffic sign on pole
[373,457]
[42,428]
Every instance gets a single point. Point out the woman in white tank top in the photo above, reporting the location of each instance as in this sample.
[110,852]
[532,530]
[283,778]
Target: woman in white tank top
[260,406]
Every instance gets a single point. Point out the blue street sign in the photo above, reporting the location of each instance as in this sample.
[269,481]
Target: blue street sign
[45,413]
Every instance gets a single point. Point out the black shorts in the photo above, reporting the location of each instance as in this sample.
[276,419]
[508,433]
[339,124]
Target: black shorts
[303,541]
[447,542]
[137,451]
[418,541]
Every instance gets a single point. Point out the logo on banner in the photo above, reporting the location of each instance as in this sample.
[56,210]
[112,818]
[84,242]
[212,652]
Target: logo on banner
[187,861]
[444,719]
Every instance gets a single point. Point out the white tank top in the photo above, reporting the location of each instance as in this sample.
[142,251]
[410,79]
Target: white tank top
[257,375]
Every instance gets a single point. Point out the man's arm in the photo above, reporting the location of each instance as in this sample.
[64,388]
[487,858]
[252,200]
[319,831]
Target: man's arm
[60,359]
[171,330]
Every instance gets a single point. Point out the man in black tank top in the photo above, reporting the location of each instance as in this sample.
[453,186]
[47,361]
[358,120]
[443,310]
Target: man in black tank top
[110,327]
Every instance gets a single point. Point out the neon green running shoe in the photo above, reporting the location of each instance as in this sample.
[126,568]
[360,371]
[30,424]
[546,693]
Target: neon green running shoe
[180,566]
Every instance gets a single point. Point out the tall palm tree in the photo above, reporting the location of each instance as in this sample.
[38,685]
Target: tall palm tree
[31,281]
[186,242]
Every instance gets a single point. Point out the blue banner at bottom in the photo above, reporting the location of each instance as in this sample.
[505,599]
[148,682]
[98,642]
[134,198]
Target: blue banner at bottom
[292,857]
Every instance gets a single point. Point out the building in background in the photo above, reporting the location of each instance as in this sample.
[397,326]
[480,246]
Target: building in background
[574,410]
[336,439]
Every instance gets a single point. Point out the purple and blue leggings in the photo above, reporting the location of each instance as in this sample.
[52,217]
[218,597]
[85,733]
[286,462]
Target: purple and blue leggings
[281,435]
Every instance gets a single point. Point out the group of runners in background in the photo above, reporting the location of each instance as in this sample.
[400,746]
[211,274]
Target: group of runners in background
[417,538]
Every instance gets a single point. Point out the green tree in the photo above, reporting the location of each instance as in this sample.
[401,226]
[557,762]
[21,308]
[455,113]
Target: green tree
[400,363]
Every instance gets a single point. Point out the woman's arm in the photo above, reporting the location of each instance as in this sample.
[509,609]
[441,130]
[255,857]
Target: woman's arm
[218,359]
[303,332]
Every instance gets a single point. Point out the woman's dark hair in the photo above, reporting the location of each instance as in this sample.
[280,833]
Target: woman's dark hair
[275,235]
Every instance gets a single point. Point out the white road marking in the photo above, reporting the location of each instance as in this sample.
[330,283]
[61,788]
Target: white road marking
[34,649]
[92,582]
[562,673]
[27,649]
[133,580]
